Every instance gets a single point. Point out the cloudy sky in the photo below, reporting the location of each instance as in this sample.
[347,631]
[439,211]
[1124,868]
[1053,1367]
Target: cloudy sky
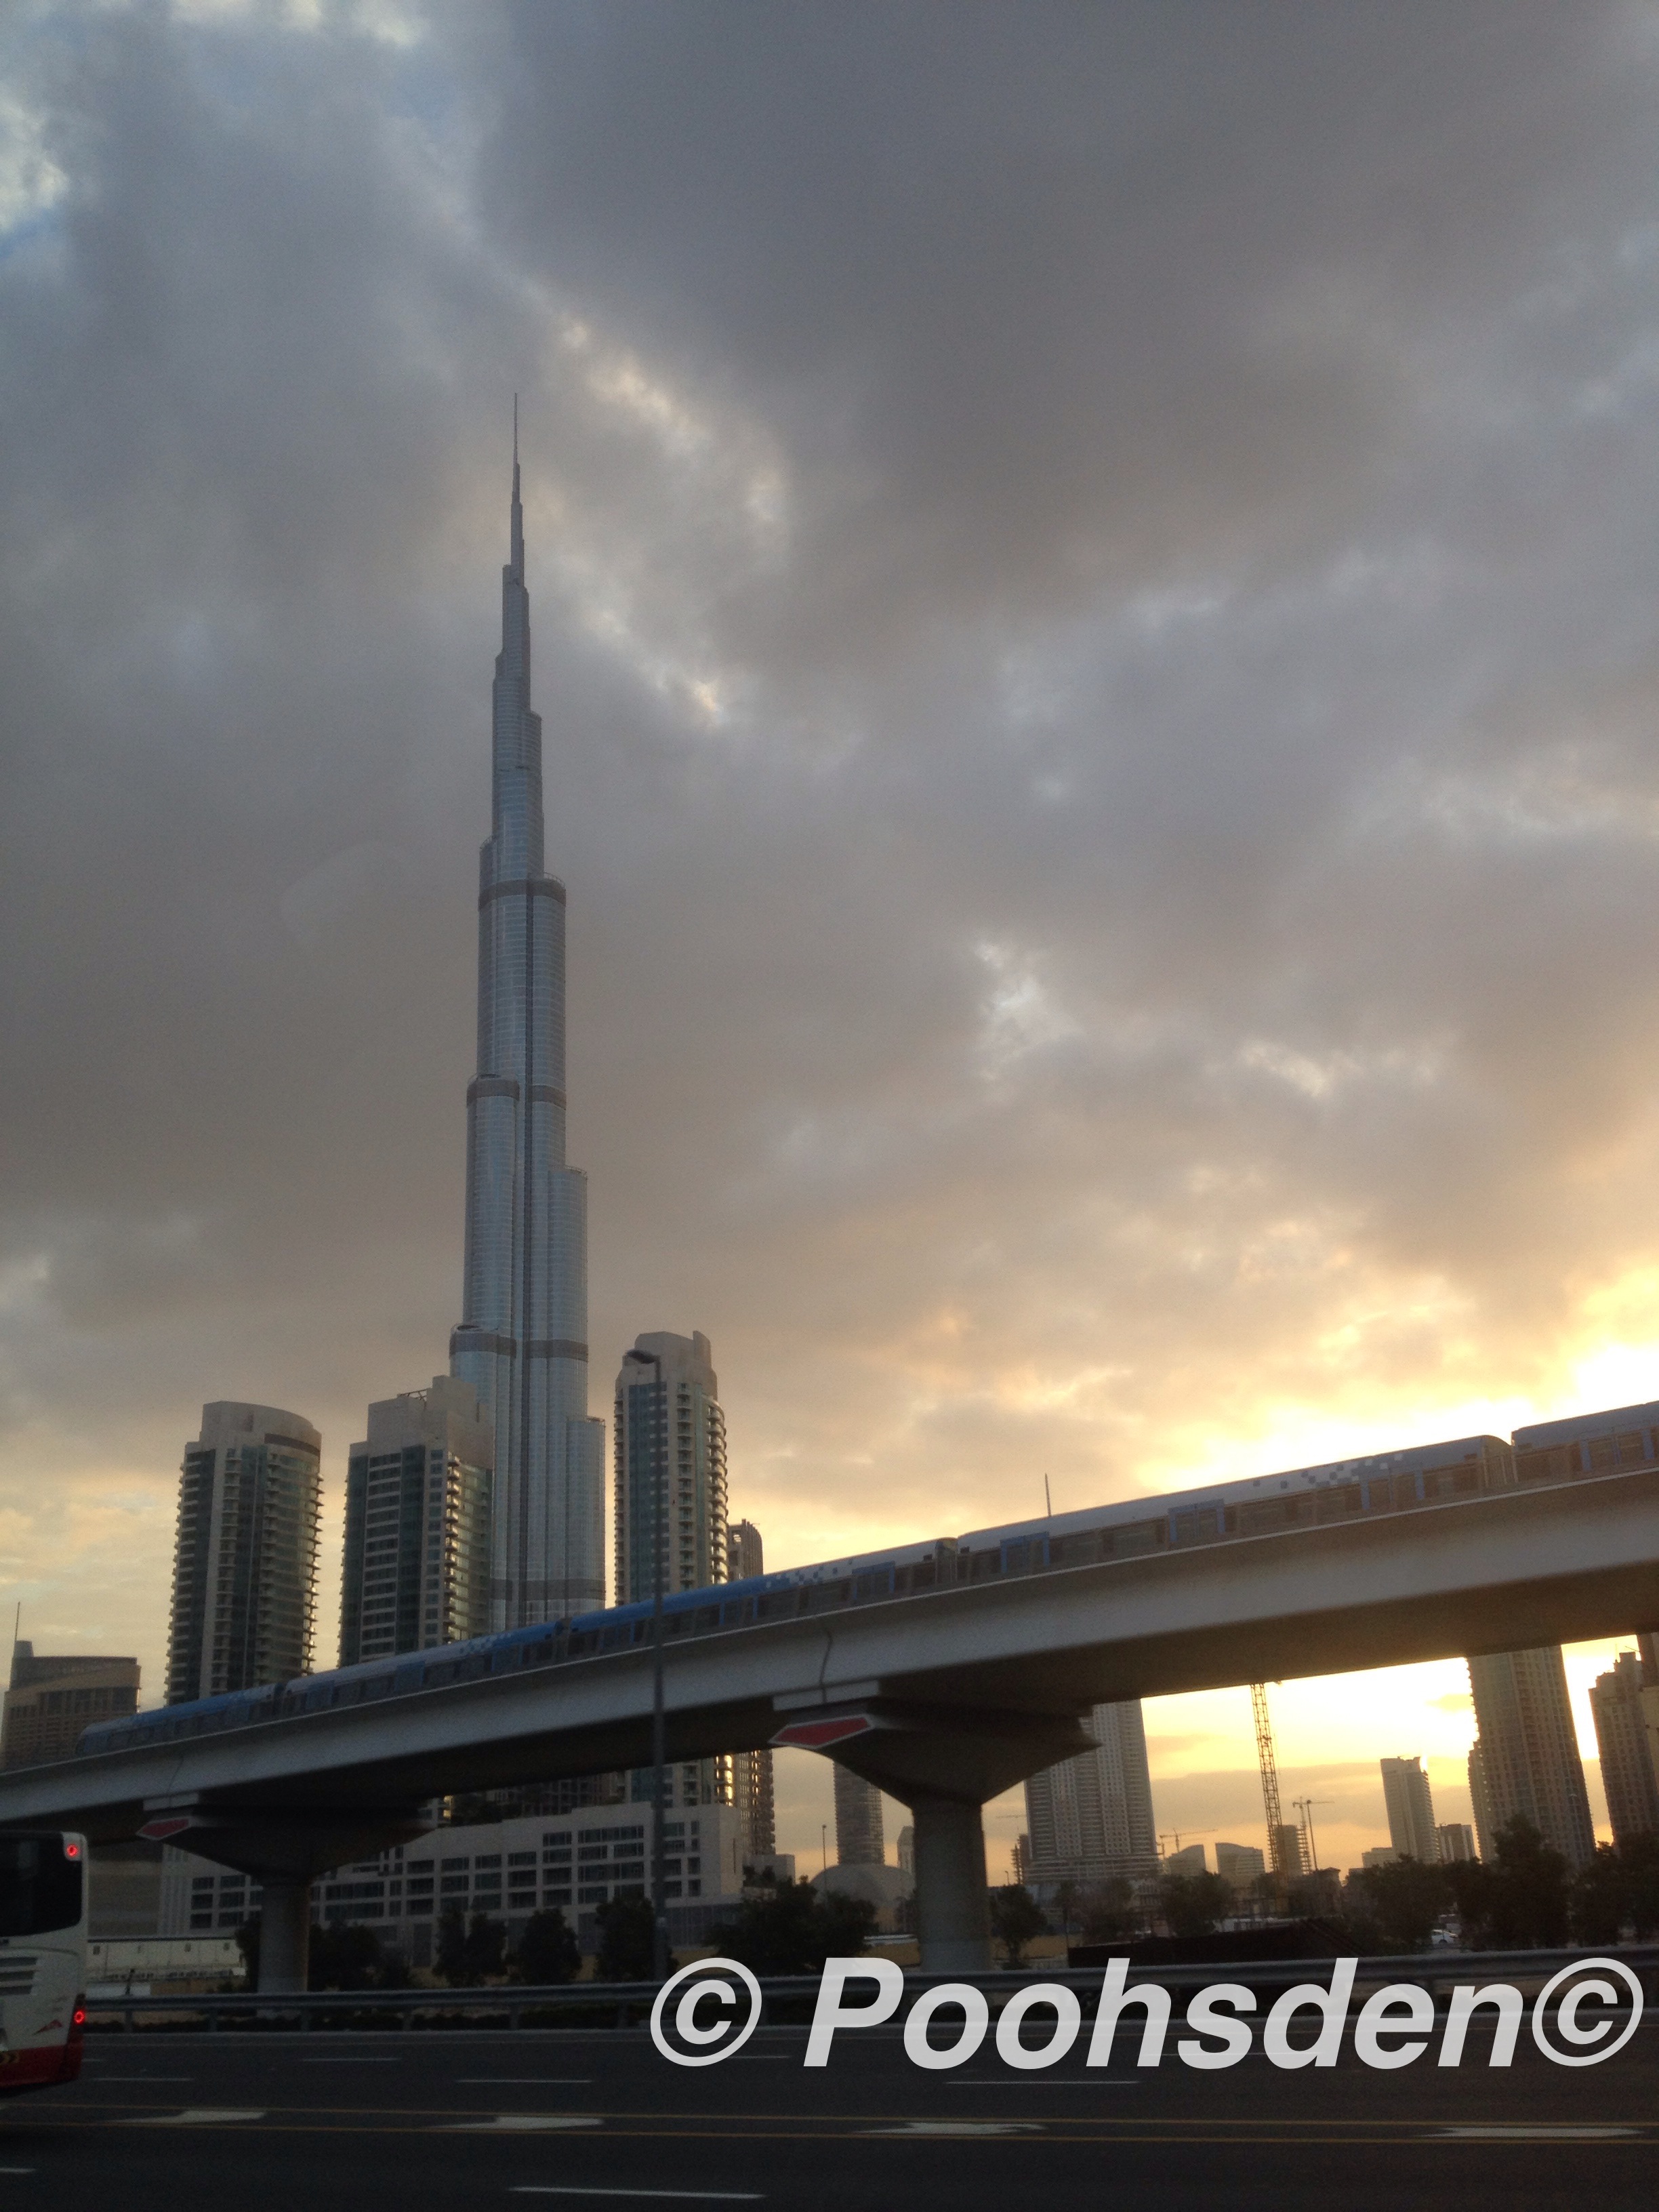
[1094,575]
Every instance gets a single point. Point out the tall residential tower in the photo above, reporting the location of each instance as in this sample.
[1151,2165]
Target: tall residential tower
[245,1564]
[670,1503]
[1091,1816]
[416,1567]
[1530,1765]
[522,1343]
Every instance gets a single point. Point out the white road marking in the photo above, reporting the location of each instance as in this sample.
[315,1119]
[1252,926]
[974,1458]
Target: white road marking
[959,2128]
[195,2115]
[700,2196]
[520,2123]
[1566,2131]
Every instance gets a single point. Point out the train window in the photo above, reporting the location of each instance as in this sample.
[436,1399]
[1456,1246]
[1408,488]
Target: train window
[1341,1500]
[1025,1555]
[822,1596]
[780,1605]
[705,1619]
[1199,1525]
[1460,1481]
[1139,1537]
[877,1582]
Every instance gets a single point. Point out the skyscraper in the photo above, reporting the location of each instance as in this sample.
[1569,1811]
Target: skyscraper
[670,1502]
[860,1837]
[670,1467]
[50,1701]
[1410,1809]
[416,1567]
[1480,1799]
[522,1341]
[1530,1752]
[1621,1740]
[1091,1815]
[244,1563]
[753,1790]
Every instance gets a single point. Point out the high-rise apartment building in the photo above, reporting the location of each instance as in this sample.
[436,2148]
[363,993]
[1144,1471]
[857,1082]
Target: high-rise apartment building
[50,1700]
[670,1502]
[1241,1865]
[1091,1815]
[1410,1808]
[1455,1841]
[1621,1740]
[244,1563]
[1292,1857]
[752,1786]
[1480,1799]
[522,1343]
[860,1839]
[416,1569]
[1530,1752]
[669,1446]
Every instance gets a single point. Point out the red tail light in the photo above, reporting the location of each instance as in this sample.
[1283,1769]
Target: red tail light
[78,2020]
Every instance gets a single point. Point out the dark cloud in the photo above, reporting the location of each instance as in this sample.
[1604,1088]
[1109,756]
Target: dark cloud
[1093,574]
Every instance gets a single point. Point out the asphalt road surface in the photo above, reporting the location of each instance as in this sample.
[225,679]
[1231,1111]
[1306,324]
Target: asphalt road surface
[245,2123]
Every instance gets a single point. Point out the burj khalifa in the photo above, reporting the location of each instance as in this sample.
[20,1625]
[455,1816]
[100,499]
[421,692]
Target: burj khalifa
[522,1344]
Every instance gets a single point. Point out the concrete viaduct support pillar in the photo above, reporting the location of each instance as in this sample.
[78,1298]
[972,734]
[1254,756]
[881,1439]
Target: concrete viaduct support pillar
[285,1849]
[942,1762]
[953,1916]
[284,1936]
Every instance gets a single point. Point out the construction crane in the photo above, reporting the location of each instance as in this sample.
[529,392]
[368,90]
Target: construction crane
[1304,1806]
[1269,1763]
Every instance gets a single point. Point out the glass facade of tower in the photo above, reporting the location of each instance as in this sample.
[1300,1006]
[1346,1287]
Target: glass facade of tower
[245,1565]
[669,1504]
[1091,1815]
[416,1566]
[522,1342]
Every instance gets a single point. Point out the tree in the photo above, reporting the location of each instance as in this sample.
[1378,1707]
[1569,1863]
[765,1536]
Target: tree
[547,1950]
[1016,1918]
[1517,1901]
[627,1941]
[1639,1857]
[469,1954]
[1597,1903]
[1109,1911]
[1194,1904]
[793,1927]
[343,1956]
[1395,1907]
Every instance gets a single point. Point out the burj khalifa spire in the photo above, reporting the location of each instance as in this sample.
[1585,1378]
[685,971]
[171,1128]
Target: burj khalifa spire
[522,1344]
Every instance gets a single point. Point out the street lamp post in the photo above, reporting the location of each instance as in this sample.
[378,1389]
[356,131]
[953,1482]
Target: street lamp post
[659,1719]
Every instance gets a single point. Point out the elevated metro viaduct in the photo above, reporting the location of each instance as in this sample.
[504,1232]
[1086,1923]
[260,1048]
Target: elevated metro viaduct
[943,1698]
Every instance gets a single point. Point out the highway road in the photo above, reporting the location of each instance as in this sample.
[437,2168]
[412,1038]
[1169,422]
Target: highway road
[500,2123]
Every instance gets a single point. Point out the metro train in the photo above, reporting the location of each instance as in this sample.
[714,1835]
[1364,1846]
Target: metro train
[1414,1480]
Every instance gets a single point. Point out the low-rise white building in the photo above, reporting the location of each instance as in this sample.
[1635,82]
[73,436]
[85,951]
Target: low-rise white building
[507,1869]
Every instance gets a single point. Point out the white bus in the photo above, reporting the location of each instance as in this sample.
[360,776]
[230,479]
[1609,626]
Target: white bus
[43,1958]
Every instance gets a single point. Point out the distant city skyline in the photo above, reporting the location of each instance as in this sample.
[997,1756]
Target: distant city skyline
[1096,867]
